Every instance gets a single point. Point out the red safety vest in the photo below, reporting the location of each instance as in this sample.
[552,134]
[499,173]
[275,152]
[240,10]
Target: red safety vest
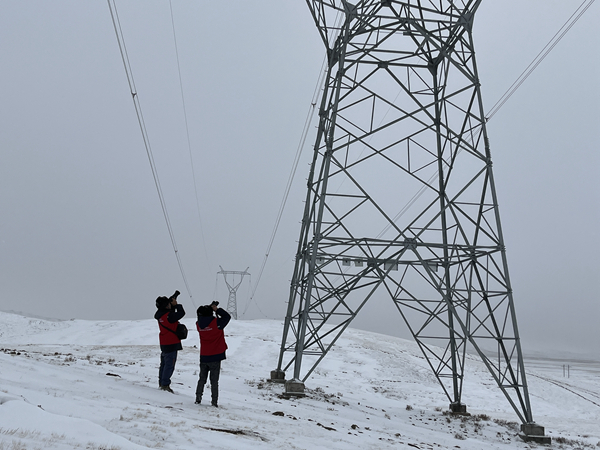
[212,340]
[167,337]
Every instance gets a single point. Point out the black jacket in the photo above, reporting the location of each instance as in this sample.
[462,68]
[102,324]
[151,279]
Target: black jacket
[223,318]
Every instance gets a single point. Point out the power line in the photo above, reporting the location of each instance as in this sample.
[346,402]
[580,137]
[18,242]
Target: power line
[309,117]
[187,131]
[138,110]
[540,57]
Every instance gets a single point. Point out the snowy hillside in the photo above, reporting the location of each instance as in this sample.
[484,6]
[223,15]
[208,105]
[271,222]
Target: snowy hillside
[93,385]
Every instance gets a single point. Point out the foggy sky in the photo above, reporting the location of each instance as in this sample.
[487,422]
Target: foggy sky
[82,233]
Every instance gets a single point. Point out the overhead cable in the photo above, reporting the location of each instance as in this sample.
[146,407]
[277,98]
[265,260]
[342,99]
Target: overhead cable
[309,117]
[138,110]
[540,57]
[187,131]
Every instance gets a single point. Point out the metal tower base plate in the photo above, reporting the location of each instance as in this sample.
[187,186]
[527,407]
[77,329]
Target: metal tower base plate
[458,408]
[536,439]
[532,432]
[277,376]
[294,388]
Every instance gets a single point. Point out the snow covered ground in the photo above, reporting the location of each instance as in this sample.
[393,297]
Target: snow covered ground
[93,385]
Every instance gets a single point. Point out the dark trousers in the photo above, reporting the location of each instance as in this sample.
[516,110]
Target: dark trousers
[214,369]
[167,367]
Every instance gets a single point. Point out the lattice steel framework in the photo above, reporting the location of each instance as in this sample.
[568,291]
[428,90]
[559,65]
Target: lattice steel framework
[401,199]
[232,288]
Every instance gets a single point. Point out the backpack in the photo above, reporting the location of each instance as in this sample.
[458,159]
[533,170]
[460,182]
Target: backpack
[181,332]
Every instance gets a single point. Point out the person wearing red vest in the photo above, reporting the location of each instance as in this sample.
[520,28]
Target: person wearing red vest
[212,348]
[168,315]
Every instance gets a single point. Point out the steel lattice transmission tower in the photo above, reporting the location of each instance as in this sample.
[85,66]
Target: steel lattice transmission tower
[401,199]
[233,287]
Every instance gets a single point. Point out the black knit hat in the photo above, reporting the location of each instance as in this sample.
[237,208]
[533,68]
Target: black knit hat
[162,302]
[204,311]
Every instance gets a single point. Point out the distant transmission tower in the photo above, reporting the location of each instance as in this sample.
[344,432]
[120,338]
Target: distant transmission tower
[401,200]
[232,287]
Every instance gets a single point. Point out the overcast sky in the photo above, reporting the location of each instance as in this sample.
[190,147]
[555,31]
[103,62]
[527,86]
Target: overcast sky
[82,234]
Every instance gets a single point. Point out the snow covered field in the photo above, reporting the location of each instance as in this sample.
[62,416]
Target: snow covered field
[93,385]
